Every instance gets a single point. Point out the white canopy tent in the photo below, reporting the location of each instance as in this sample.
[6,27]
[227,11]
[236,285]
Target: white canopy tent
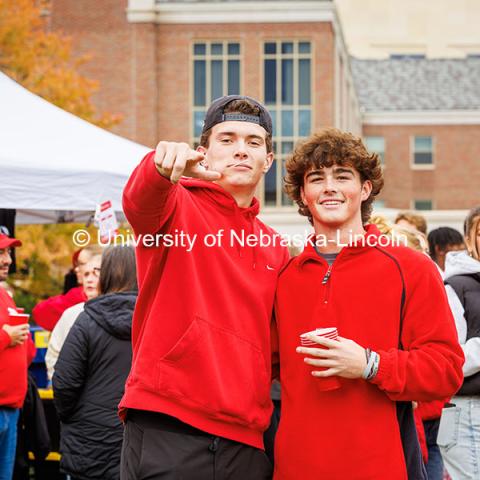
[53,164]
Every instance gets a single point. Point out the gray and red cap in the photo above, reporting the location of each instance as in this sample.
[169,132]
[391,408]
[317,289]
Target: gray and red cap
[215,114]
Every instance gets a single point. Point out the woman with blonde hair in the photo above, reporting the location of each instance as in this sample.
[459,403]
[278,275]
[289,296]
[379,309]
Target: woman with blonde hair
[410,237]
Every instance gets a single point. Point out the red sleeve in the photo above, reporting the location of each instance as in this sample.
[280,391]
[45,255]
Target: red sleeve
[47,313]
[148,198]
[431,410]
[430,366]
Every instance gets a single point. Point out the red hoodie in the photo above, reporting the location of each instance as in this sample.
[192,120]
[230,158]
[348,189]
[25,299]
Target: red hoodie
[47,313]
[431,410]
[14,361]
[201,348]
[352,432]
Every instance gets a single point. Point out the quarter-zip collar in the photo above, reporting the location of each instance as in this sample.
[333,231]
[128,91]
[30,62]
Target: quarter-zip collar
[310,254]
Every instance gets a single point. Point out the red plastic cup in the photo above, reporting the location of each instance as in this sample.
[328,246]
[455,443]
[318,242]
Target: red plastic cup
[15,319]
[324,384]
[330,332]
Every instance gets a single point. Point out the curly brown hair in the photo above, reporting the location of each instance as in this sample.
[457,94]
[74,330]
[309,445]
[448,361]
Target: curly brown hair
[326,148]
[239,106]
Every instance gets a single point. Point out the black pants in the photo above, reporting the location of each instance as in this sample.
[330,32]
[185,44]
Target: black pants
[271,432]
[160,447]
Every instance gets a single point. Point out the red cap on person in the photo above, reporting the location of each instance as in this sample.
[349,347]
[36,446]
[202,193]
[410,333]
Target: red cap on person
[8,242]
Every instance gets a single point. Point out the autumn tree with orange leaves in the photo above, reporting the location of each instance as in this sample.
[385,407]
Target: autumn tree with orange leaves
[43,63]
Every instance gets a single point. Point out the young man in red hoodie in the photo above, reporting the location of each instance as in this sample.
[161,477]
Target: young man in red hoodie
[339,411]
[197,398]
[16,353]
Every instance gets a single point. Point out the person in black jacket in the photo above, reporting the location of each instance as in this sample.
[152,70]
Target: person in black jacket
[91,371]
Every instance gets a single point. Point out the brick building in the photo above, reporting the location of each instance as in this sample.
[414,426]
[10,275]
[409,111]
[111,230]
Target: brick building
[423,116]
[161,62]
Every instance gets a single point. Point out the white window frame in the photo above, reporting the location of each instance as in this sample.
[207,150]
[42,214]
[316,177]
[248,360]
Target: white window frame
[413,200]
[413,165]
[279,107]
[225,56]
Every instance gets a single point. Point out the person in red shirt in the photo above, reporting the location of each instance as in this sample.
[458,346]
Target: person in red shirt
[47,313]
[339,396]
[197,399]
[16,353]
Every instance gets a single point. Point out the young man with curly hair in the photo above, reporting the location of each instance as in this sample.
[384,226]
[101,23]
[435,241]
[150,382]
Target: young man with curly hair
[339,411]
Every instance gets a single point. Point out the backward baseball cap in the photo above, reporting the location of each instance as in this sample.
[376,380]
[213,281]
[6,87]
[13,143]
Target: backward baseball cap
[215,113]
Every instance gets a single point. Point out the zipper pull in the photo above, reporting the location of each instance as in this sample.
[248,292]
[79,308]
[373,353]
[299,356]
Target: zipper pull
[327,275]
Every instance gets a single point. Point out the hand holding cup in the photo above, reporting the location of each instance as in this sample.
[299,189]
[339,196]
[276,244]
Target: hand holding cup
[18,333]
[338,356]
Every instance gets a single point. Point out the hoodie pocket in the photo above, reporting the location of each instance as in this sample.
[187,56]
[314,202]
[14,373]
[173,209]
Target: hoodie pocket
[213,370]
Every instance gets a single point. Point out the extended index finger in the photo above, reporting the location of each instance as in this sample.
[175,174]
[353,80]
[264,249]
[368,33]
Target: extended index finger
[203,174]
[194,156]
[186,164]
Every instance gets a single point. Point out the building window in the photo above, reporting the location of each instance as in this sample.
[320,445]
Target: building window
[423,151]
[423,204]
[376,145]
[216,72]
[287,92]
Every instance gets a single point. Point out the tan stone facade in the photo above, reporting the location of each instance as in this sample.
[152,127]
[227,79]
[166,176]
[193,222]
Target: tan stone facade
[435,28]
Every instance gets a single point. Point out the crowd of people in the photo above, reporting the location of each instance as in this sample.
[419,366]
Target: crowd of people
[373,347]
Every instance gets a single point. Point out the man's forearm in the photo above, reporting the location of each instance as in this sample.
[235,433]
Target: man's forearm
[147,197]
